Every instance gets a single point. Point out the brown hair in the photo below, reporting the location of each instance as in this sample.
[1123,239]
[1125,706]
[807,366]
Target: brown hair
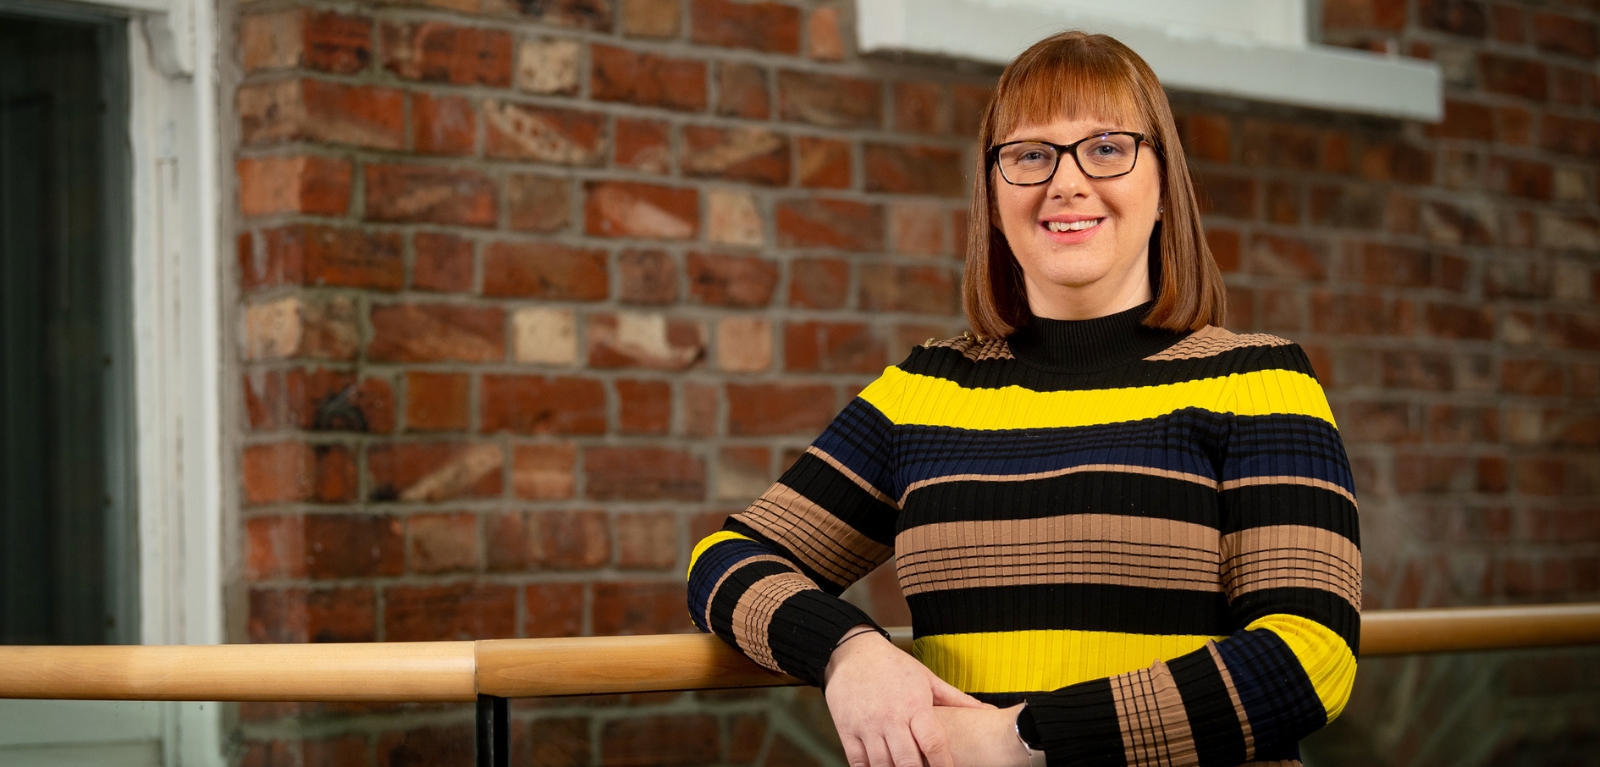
[1074,74]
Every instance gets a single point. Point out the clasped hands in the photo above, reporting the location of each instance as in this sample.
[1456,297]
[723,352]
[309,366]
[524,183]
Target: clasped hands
[891,711]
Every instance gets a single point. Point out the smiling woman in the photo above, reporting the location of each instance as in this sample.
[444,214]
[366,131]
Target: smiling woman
[1127,536]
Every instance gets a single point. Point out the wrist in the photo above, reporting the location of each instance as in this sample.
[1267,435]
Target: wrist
[1027,732]
[845,648]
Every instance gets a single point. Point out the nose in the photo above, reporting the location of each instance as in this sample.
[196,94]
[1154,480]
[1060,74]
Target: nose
[1068,180]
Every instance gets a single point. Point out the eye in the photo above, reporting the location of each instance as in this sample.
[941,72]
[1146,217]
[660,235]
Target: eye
[1032,155]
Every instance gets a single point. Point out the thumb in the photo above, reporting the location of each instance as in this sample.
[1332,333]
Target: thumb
[946,695]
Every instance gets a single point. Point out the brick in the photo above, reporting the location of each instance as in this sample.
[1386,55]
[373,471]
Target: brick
[968,103]
[311,110]
[643,473]
[1352,206]
[1458,224]
[756,410]
[353,546]
[905,169]
[743,473]
[1389,15]
[751,155]
[436,333]
[442,543]
[1467,18]
[1394,265]
[1379,422]
[430,193]
[738,281]
[1360,314]
[644,340]
[433,471]
[460,611]
[295,472]
[311,185]
[1567,84]
[1224,245]
[629,209]
[1206,136]
[919,107]
[316,328]
[324,41]
[647,540]
[1531,377]
[822,163]
[826,223]
[272,40]
[917,228]
[544,336]
[1522,178]
[644,407]
[647,79]
[744,345]
[544,472]
[920,289]
[444,263]
[824,41]
[554,610]
[760,26]
[1514,125]
[1508,24]
[700,410]
[315,615]
[525,404]
[832,347]
[543,134]
[786,753]
[644,145]
[549,66]
[340,257]
[433,51]
[834,101]
[692,739]
[1572,331]
[574,540]
[538,203]
[1464,120]
[274,547]
[1228,195]
[1524,78]
[443,124]
[819,283]
[319,400]
[622,608]
[1283,202]
[437,401]
[1463,424]
[742,91]
[1573,233]
[732,218]
[1288,146]
[651,18]
[646,277]
[1287,257]
[1563,34]
[593,15]
[1460,322]
[544,270]
[1428,371]
[424,745]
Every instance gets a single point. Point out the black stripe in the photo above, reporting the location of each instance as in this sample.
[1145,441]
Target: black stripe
[739,580]
[805,629]
[1321,606]
[815,480]
[1080,606]
[1267,505]
[1218,736]
[1079,722]
[950,365]
[1098,492]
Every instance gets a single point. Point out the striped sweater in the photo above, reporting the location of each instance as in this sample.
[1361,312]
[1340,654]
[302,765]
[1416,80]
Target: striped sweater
[1151,537]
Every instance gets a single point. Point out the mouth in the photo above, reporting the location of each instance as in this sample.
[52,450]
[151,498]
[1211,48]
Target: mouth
[1071,226]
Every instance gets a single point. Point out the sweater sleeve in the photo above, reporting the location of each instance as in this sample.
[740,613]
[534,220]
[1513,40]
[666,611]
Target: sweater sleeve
[1291,570]
[769,581]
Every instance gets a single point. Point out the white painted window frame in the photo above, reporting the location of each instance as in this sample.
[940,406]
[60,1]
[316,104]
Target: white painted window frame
[1253,49]
[175,182]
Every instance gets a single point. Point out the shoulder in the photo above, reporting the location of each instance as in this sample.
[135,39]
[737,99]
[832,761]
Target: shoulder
[1212,341]
[973,348]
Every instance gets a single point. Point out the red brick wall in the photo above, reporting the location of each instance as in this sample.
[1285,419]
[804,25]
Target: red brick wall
[531,294]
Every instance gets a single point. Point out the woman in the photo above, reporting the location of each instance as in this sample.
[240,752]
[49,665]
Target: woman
[1127,535]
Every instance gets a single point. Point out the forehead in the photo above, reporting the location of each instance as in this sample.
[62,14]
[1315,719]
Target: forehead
[1067,99]
[1065,130]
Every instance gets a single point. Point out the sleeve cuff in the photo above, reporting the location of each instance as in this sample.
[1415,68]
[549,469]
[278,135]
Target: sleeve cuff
[805,630]
[1078,724]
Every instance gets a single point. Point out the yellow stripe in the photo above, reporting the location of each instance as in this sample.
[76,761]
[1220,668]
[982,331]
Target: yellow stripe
[1029,661]
[709,541]
[932,401]
[1324,656]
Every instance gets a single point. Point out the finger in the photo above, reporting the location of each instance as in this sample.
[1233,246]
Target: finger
[878,751]
[930,735]
[946,695]
[855,754]
[903,748]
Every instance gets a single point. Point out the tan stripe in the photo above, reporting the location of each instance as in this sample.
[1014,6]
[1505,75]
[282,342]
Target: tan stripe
[1071,548]
[1233,695]
[817,538]
[752,615]
[752,560]
[1210,341]
[1285,479]
[852,476]
[1291,556]
[1116,467]
[1154,723]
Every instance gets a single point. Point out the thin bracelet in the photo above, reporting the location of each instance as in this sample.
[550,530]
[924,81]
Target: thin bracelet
[869,630]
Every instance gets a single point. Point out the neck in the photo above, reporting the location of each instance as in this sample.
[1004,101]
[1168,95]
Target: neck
[1081,346]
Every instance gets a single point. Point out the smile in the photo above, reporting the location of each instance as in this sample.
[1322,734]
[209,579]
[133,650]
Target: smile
[1073,226]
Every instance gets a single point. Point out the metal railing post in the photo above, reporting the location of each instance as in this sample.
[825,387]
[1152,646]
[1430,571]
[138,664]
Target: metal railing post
[494,732]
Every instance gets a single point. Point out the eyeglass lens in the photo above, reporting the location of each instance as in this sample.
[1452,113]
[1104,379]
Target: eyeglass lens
[1098,157]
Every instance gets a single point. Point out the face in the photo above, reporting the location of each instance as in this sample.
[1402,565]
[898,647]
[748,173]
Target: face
[1082,242]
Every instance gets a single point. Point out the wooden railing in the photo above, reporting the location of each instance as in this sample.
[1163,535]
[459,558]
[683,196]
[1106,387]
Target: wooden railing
[519,668]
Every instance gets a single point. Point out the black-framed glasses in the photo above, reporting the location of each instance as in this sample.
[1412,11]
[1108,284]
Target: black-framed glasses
[1103,155]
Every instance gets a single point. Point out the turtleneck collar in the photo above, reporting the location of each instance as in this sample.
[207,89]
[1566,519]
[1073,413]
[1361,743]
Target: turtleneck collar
[1083,346]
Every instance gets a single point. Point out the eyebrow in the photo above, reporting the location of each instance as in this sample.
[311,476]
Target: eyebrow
[1095,132]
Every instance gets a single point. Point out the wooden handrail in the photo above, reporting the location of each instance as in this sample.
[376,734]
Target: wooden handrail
[514,668]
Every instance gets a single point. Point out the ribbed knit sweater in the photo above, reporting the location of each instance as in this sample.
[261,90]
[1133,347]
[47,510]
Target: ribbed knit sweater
[1149,536]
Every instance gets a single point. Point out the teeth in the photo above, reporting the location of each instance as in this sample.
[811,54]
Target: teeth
[1076,226]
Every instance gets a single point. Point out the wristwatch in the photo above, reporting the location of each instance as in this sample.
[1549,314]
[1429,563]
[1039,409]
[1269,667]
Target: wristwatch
[1028,736]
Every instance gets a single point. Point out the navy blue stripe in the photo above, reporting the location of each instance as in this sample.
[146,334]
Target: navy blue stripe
[1277,696]
[1286,445]
[859,438]
[710,567]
